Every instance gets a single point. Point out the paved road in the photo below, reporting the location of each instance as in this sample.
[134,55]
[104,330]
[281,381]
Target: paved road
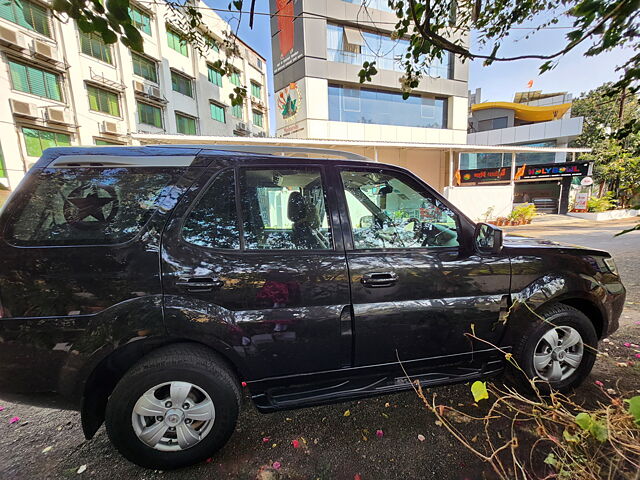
[337,447]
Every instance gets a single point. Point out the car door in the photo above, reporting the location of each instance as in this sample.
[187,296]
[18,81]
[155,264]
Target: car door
[416,285]
[253,264]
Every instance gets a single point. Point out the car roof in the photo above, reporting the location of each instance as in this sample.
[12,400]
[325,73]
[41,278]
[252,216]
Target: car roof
[181,155]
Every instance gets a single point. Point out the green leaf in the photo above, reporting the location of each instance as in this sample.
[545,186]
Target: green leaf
[584,420]
[569,437]
[84,25]
[634,408]
[479,390]
[599,431]
[551,460]
[109,36]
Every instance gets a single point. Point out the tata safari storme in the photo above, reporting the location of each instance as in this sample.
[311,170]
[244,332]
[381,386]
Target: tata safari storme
[146,284]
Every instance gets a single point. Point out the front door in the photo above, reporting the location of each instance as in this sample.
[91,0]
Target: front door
[415,291]
[254,265]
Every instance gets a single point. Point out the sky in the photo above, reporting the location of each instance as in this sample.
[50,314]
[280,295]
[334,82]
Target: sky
[574,73]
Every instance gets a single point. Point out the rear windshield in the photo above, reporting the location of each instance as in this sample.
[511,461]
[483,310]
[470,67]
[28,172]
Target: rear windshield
[90,206]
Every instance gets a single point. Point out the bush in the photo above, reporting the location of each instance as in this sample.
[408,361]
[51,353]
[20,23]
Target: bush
[602,204]
[523,213]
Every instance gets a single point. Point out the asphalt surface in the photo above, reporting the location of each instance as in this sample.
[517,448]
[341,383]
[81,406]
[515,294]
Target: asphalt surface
[48,443]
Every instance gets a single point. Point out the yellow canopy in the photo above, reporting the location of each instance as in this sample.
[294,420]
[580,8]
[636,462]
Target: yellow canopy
[527,113]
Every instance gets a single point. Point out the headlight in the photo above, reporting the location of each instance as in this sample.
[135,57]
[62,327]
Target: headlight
[611,265]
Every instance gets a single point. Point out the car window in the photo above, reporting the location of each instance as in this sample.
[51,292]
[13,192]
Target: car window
[90,206]
[213,222]
[390,210]
[284,208]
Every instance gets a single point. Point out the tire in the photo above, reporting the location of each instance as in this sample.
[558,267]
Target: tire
[534,346]
[174,372]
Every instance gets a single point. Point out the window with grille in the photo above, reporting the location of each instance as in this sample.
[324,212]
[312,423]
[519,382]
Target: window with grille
[26,14]
[176,42]
[217,113]
[104,101]
[185,124]
[36,81]
[149,114]
[93,45]
[37,140]
[181,84]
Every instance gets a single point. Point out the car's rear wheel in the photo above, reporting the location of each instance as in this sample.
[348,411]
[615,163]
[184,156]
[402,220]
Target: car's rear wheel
[175,407]
[559,349]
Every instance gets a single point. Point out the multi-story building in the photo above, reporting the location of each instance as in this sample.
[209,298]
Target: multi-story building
[60,86]
[319,48]
[532,119]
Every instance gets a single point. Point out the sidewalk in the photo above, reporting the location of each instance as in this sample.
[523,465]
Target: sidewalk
[553,220]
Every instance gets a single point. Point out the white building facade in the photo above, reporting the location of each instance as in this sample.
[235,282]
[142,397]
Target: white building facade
[60,87]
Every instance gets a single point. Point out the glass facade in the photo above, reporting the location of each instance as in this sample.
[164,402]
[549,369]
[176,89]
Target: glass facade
[377,4]
[367,105]
[386,52]
[26,14]
[93,45]
[36,81]
[145,68]
[470,161]
[37,140]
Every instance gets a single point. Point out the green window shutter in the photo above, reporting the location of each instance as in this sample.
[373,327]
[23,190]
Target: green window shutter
[53,86]
[144,67]
[149,114]
[257,119]
[235,78]
[100,142]
[93,99]
[7,10]
[27,15]
[36,82]
[93,45]
[19,75]
[175,42]
[185,125]
[256,90]
[217,113]
[103,101]
[39,140]
[32,141]
[214,75]
[62,140]
[114,105]
[236,111]
[140,20]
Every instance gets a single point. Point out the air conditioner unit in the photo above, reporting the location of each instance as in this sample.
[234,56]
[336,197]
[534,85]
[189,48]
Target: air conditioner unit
[44,51]
[58,115]
[154,92]
[138,86]
[241,126]
[260,134]
[110,128]
[12,39]
[24,109]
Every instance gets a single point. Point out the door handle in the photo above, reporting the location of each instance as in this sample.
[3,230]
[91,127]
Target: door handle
[199,284]
[379,279]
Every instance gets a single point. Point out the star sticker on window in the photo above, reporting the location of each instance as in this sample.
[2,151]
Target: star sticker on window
[91,205]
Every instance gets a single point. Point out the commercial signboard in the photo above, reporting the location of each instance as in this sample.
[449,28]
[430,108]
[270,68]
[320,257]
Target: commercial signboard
[523,172]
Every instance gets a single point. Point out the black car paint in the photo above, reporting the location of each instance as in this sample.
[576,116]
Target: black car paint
[333,340]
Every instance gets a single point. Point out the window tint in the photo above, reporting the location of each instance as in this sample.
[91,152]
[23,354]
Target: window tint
[186,124]
[389,210]
[149,114]
[181,84]
[213,221]
[37,140]
[144,67]
[104,101]
[284,209]
[89,205]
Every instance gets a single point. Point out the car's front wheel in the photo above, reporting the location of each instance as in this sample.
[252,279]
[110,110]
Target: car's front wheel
[175,407]
[559,349]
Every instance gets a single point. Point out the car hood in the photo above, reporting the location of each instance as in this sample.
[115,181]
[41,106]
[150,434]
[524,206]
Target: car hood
[517,242]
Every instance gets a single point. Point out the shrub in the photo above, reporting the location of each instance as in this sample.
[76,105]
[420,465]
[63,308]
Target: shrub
[523,213]
[602,204]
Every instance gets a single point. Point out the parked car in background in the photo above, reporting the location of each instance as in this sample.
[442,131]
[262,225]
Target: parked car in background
[145,284]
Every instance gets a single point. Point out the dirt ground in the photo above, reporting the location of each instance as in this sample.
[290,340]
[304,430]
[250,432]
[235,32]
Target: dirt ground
[48,443]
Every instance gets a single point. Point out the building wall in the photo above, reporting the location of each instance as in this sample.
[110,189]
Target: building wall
[78,70]
[303,73]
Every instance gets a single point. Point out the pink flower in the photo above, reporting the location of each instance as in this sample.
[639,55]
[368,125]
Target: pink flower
[637,355]
[14,420]
[276,465]
[295,443]
[265,439]
[599,383]
[244,384]
[626,344]
[1,409]
[379,433]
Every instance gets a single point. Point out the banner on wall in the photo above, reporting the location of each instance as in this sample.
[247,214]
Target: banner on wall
[523,172]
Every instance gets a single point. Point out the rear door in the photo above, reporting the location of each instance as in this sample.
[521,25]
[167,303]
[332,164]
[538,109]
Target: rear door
[415,288]
[253,263]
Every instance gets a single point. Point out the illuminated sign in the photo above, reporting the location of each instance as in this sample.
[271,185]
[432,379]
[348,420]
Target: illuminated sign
[523,172]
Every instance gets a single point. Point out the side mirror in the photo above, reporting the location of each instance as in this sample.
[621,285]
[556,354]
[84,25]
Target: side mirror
[487,238]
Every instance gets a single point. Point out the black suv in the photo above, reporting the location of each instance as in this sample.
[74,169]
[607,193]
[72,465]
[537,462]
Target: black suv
[147,284]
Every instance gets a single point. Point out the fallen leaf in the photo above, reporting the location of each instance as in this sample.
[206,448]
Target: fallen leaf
[438,423]
[622,364]
[441,410]
[479,390]
[611,391]
[295,443]
[421,437]
[14,420]
[274,445]
[346,413]
[82,469]
[276,465]
[379,433]
[385,415]
[46,449]
[386,404]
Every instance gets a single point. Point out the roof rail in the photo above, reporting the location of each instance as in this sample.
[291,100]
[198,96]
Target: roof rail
[282,150]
